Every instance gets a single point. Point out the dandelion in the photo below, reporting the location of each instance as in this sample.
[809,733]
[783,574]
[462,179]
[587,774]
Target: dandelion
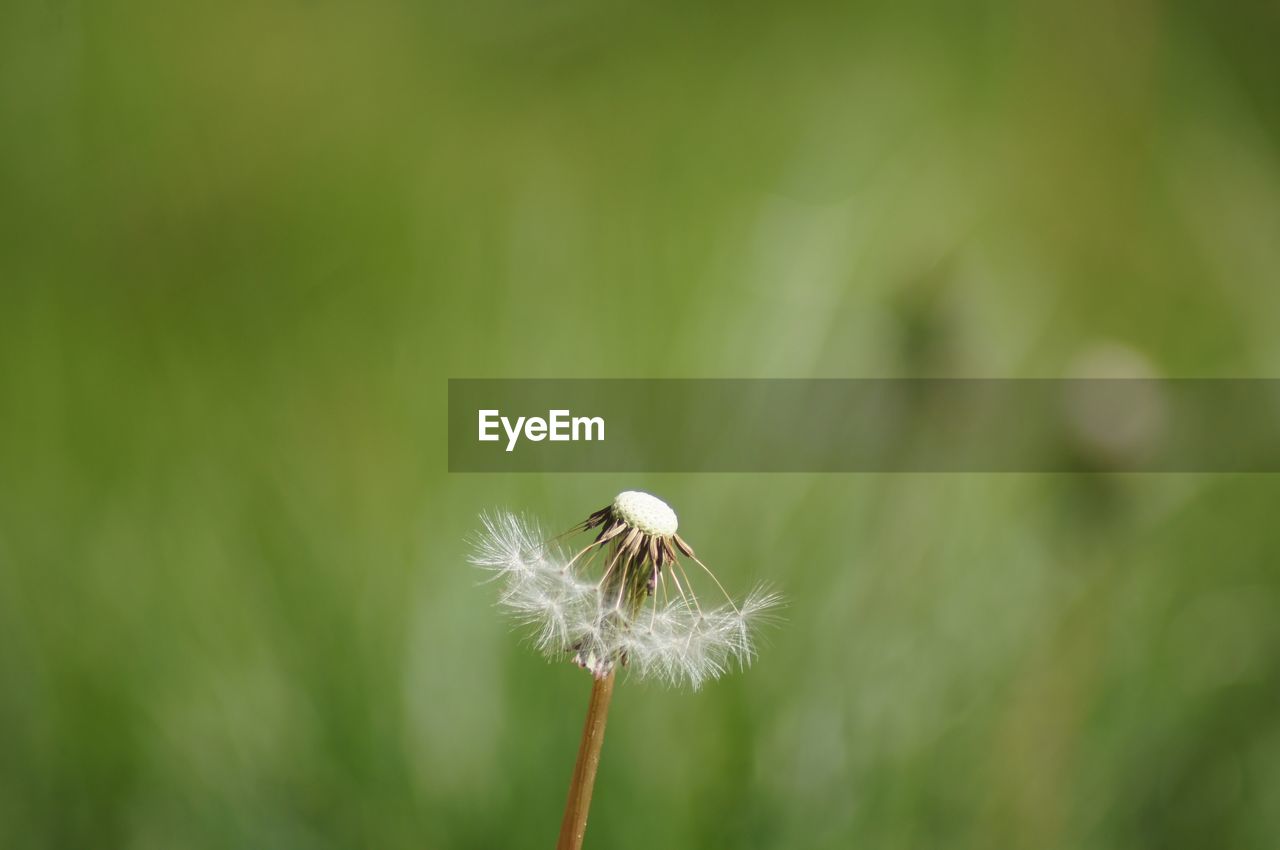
[624,599]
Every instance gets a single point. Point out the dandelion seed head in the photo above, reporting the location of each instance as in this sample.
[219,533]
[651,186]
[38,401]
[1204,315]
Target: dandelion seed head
[622,599]
[645,512]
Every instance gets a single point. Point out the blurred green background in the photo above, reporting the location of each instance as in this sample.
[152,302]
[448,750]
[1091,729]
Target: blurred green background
[243,245]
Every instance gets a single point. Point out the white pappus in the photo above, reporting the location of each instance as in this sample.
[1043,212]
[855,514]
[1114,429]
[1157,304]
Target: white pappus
[625,613]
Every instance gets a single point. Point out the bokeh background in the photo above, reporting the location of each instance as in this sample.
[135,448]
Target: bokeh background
[243,245]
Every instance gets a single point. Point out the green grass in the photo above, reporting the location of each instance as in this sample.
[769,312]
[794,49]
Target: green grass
[242,247]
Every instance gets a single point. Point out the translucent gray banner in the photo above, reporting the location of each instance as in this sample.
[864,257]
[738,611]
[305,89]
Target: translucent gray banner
[865,425]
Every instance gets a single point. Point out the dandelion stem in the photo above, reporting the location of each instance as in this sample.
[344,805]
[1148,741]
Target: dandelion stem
[574,825]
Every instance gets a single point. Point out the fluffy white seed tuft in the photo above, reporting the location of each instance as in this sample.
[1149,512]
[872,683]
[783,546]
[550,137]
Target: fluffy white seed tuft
[676,642]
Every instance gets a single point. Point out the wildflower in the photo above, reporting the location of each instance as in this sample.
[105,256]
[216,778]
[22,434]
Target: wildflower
[641,611]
